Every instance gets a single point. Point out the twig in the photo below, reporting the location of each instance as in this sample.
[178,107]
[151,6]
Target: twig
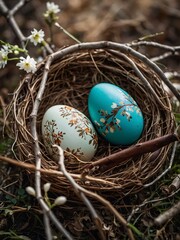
[9,15]
[54,172]
[164,56]
[167,170]
[155,44]
[175,184]
[111,208]
[147,201]
[137,149]
[171,51]
[140,75]
[78,191]
[50,214]
[37,153]
[48,227]
[167,215]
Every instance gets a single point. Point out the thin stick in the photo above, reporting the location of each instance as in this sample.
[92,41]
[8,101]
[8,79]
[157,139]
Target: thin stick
[140,75]
[9,15]
[167,170]
[147,201]
[48,227]
[175,184]
[137,149]
[37,154]
[54,172]
[78,191]
[111,208]
[167,215]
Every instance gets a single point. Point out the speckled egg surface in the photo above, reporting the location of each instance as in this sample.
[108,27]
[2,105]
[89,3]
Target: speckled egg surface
[115,114]
[72,130]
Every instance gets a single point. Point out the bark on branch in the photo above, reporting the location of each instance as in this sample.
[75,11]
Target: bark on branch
[169,214]
[138,149]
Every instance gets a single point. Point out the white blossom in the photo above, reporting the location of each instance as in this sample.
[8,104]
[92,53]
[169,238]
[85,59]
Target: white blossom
[3,56]
[60,200]
[27,64]
[111,129]
[52,8]
[36,36]
[114,105]
[102,120]
[47,186]
[117,120]
[30,190]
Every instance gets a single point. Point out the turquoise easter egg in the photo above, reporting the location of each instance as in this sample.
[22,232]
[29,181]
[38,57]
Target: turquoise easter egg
[115,114]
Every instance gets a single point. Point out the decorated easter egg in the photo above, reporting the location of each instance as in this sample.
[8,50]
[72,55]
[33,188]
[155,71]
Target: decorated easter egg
[115,114]
[71,129]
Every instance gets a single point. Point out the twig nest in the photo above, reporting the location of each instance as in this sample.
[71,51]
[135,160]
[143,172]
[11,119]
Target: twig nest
[66,78]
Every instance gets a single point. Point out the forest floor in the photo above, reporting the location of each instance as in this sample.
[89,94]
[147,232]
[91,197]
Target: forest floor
[118,21]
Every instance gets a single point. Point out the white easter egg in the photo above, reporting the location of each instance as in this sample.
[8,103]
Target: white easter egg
[69,128]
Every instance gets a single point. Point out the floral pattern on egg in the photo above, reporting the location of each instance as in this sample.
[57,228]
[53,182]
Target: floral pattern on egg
[53,132]
[115,114]
[80,122]
[109,121]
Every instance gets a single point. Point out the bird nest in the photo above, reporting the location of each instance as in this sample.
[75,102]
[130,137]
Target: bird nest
[66,77]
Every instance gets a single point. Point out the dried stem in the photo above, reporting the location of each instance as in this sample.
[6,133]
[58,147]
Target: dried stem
[175,184]
[167,215]
[78,191]
[137,149]
[37,154]
[167,170]
[148,201]
[171,51]
[111,208]
[48,227]
[9,15]
[140,75]
[51,172]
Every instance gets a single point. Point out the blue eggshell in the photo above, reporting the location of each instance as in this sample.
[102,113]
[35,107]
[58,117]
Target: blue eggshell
[115,114]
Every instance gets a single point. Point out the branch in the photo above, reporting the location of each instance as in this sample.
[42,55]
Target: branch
[148,201]
[167,215]
[140,75]
[37,153]
[171,51]
[137,149]
[166,170]
[9,15]
[126,48]
[175,184]
[51,172]
[79,192]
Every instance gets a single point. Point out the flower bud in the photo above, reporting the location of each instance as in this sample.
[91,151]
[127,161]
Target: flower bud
[47,187]
[30,191]
[60,200]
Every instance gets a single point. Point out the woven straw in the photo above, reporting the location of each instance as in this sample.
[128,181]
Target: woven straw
[69,81]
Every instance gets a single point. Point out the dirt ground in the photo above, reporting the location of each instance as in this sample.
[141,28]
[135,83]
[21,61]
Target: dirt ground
[89,21]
